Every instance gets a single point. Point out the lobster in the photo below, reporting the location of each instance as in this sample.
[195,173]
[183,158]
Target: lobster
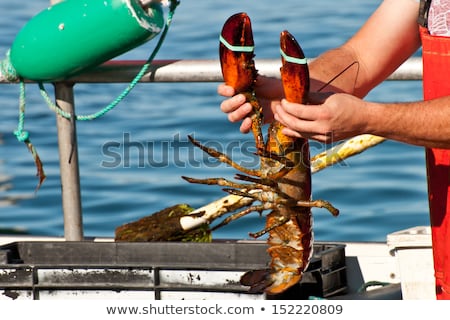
[282,184]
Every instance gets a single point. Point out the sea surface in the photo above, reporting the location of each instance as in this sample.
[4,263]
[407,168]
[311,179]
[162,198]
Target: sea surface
[132,159]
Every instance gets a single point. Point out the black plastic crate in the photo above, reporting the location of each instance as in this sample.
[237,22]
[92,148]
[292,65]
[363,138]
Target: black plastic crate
[155,270]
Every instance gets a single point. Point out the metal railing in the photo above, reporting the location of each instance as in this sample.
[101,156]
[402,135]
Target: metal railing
[204,71]
[160,71]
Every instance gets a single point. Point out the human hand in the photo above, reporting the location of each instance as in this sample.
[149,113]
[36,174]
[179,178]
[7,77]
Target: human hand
[269,92]
[330,117]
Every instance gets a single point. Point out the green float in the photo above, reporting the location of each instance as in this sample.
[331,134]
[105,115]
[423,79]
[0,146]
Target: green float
[75,35]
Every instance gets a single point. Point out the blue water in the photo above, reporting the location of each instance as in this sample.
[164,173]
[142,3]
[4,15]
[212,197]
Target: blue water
[378,192]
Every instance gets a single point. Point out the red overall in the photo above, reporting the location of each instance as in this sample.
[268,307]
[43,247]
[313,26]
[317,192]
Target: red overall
[436,83]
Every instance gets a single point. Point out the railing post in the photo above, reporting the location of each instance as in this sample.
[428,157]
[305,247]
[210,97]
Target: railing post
[68,163]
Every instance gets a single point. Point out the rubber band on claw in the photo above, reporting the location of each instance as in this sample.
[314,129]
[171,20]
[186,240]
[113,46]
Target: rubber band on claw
[235,48]
[293,59]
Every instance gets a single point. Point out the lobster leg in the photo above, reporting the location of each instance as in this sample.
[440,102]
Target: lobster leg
[240,214]
[280,221]
[319,204]
[220,182]
[223,158]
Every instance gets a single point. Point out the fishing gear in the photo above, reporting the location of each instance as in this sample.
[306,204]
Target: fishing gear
[71,37]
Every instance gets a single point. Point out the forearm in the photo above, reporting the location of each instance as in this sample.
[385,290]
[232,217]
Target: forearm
[336,70]
[382,44]
[424,123]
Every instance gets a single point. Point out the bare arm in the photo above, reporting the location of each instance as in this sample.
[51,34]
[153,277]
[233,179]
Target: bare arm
[382,44]
[423,123]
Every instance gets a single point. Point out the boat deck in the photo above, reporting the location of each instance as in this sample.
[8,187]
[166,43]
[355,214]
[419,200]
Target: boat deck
[52,268]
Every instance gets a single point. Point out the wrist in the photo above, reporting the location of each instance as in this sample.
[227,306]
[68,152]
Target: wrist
[374,112]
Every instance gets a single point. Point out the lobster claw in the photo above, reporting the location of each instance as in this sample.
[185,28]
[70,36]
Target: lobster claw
[294,70]
[295,79]
[236,53]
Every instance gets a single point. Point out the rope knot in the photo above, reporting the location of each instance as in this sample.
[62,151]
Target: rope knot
[21,135]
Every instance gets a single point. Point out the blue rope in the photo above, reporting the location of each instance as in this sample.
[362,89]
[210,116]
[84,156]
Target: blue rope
[20,134]
[127,90]
[24,136]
